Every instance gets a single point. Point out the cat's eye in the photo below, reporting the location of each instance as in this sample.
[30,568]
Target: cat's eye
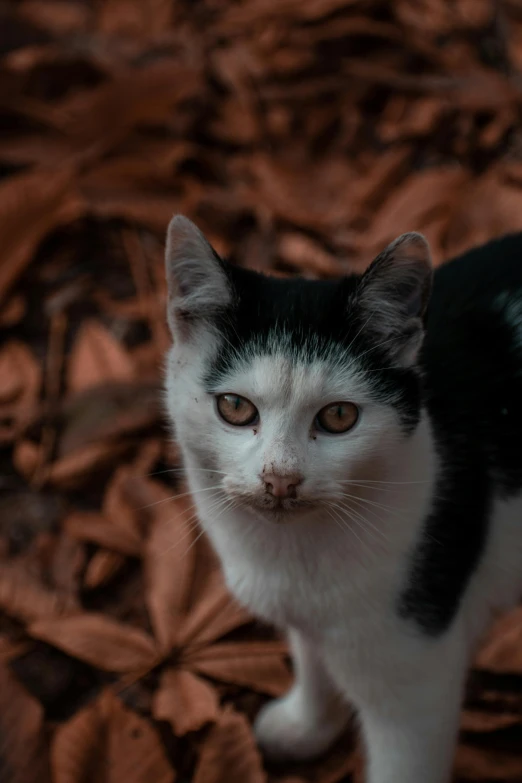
[337,418]
[236,410]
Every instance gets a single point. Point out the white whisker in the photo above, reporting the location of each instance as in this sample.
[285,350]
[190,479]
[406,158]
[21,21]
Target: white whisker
[182,495]
[361,521]
[342,524]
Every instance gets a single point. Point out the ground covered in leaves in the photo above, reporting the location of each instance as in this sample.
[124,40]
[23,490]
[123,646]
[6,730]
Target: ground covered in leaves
[302,135]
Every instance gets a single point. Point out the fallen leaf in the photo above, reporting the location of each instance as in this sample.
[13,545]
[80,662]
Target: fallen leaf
[215,614]
[100,118]
[419,198]
[92,527]
[23,748]
[97,640]
[31,205]
[139,18]
[20,383]
[72,470]
[480,722]
[502,651]
[304,254]
[68,560]
[474,763]
[169,562]
[106,741]
[229,754]
[256,665]
[97,358]
[185,701]
[102,567]
[107,412]
[27,599]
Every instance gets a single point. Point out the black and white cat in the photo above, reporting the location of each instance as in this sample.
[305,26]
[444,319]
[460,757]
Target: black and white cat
[354,448]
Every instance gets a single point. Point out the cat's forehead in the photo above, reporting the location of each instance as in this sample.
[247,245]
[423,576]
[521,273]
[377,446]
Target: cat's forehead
[287,379]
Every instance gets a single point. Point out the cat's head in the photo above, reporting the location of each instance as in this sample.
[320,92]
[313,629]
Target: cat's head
[288,388]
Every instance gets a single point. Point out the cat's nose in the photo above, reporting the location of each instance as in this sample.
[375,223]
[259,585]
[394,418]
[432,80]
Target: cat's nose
[282,486]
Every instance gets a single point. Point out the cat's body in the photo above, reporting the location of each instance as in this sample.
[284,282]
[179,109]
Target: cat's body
[382,549]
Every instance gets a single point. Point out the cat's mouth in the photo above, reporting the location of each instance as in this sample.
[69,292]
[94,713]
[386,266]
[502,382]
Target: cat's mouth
[279,509]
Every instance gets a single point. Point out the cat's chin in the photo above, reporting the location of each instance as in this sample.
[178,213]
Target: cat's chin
[289,511]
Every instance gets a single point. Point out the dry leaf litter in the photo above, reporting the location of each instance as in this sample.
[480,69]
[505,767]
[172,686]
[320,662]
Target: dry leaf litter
[301,136]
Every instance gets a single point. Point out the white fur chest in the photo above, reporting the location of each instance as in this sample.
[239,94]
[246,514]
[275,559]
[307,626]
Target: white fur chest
[314,581]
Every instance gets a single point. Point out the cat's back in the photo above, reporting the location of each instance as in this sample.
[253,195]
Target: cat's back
[473,356]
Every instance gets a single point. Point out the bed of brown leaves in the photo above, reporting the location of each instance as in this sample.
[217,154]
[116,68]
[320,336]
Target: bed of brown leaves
[302,135]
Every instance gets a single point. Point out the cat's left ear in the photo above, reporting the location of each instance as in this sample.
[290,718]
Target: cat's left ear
[198,287]
[393,294]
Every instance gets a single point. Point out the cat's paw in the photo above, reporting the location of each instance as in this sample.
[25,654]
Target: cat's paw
[285,732]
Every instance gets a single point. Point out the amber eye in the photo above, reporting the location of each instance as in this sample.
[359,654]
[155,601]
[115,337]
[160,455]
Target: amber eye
[237,410]
[337,418]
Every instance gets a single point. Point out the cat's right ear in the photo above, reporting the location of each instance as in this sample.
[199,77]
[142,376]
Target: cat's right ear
[197,283]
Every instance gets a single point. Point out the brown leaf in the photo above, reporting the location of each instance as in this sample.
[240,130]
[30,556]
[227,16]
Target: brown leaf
[304,254]
[478,721]
[108,412]
[138,18]
[169,562]
[185,701]
[20,382]
[100,118]
[68,560]
[31,205]
[256,665]
[93,527]
[229,754]
[145,207]
[486,765]
[215,614]
[97,640]
[56,17]
[110,743]
[502,650]
[13,310]
[23,751]
[25,598]
[491,209]
[27,457]
[419,198]
[282,188]
[123,502]
[102,567]
[97,357]
[73,469]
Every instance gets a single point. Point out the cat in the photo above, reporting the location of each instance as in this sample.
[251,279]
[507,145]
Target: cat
[354,448]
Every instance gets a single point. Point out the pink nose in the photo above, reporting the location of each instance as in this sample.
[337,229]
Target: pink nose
[282,486]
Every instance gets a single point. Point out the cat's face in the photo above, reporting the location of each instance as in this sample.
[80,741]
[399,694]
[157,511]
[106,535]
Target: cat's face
[282,391]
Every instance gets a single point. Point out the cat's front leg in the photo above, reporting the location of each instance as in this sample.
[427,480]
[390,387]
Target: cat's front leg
[305,722]
[410,732]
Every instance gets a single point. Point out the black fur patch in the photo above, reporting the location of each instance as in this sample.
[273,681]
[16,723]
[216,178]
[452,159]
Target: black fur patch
[472,357]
